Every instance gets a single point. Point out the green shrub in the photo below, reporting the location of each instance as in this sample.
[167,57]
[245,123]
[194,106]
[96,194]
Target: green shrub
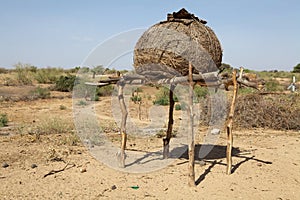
[110,71]
[62,107]
[3,70]
[72,70]
[177,107]
[136,99]
[10,81]
[200,92]
[162,97]
[105,91]
[297,68]
[3,120]
[41,77]
[82,103]
[95,98]
[48,75]
[42,93]
[273,86]
[23,74]
[162,101]
[65,83]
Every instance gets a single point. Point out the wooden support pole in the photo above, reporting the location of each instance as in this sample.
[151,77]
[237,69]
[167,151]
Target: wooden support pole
[191,150]
[121,154]
[229,123]
[139,110]
[166,140]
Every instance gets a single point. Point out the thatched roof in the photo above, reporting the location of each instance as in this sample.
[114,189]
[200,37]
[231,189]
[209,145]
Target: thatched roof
[173,43]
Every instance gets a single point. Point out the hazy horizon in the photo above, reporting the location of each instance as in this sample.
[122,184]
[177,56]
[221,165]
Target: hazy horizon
[259,35]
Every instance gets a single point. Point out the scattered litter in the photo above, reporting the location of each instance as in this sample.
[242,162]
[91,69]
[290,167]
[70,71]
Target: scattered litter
[33,166]
[259,164]
[82,170]
[135,187]
[5,165]
[202,163]
[215,131]
[113,187]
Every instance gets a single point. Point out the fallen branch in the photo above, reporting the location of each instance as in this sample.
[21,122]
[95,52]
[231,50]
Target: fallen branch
[59,170]
[273,93]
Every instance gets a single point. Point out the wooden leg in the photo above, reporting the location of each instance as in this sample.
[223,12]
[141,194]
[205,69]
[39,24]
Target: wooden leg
[166,140]
[121,155]
[229,124]
[139,110]
[191,165]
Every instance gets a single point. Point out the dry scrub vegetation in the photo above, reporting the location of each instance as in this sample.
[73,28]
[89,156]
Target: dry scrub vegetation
[42,157]
[278,110]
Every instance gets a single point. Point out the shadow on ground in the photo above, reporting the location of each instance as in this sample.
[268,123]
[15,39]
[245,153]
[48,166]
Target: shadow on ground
[211,153]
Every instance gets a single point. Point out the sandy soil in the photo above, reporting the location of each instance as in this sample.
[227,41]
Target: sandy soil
[266,163]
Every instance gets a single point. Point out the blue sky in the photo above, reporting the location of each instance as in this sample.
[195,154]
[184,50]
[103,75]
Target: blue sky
[256,34]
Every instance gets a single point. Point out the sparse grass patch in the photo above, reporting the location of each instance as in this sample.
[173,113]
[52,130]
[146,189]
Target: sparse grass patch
[109,127]
[81,103]
[246,90]
[162,133]
[273,86]
[62,107]
[181,106]
[200,92]
[8,81]
[3,120]
[70,139]
[95,98]
[139,89]
[52,126]
[40,92]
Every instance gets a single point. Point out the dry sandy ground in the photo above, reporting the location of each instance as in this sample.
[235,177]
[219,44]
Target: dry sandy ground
[266,164]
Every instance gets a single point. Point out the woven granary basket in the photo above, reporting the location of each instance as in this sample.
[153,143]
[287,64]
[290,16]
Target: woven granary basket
[170,45]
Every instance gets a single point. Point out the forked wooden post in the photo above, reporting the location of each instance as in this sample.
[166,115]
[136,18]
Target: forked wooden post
[121,154]
[230,121]
[191,166]
[166,140]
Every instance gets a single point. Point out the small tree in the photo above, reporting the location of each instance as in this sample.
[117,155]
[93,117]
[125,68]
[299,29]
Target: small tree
[297,68]
[97,70]
[65,83]
[225,66]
